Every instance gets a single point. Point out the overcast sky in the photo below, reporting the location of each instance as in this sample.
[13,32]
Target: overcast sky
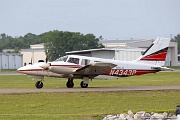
[111,19]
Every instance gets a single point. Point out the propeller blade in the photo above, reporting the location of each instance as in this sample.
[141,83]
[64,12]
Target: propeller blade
[46,59]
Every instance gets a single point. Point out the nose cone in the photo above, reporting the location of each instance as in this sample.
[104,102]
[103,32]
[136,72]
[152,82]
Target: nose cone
[24,69]
[20,69]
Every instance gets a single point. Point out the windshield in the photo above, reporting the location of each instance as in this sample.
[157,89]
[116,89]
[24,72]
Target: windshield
[64,58]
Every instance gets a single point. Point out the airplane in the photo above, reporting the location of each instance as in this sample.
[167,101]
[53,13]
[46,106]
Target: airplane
[88,68]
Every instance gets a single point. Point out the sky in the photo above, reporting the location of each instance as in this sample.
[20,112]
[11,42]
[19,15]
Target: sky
[111,19]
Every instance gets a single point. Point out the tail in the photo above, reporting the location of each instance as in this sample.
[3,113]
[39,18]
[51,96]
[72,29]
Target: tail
[156,52]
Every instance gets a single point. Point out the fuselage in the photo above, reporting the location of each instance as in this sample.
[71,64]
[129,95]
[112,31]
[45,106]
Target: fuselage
[67,67]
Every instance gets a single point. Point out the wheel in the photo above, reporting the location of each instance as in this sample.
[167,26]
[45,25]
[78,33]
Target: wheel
[39,84]
[84,85]
[70,83]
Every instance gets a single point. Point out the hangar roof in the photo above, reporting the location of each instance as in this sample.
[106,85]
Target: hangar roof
[106,49]
[31,50]
[121,41]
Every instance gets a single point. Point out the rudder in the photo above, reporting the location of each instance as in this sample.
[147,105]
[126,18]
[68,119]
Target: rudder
[156,52]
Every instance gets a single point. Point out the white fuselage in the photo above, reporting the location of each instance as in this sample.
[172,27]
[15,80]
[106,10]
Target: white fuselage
[67,69]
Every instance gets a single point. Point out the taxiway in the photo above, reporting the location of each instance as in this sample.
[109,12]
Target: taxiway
[90,89]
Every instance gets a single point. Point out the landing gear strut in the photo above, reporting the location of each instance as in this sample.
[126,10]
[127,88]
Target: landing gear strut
[39,84]
[70,83]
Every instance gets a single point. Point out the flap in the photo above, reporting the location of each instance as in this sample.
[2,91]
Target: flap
[95,68]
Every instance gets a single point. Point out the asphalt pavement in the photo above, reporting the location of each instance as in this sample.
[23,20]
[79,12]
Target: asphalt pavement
[91,89]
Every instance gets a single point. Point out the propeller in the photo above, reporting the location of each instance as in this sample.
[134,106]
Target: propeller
[46,59]
[45,65]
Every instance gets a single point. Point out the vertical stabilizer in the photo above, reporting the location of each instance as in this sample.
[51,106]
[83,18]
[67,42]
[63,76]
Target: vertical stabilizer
[156,52]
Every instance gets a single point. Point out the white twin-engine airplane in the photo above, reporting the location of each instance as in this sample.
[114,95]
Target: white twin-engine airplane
[86,68]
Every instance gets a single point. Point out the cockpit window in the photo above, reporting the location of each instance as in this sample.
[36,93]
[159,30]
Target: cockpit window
[73,60]
[64,58]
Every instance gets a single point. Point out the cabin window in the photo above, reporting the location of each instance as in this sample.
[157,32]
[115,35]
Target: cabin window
[73,60]
[85,62]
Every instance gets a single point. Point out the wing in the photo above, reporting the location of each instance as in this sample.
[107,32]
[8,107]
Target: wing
[96,68]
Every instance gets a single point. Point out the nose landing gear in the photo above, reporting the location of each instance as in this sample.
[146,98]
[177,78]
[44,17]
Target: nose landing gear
[39,84]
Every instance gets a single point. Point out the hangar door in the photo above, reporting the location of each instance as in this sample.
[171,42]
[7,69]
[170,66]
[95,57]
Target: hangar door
[107,54]
[124,55]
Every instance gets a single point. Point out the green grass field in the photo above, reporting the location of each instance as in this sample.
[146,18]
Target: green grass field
[87,105]
[159,79]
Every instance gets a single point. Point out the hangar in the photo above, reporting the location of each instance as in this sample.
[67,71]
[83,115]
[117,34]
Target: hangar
[127,50]
[34,54]
[10,60]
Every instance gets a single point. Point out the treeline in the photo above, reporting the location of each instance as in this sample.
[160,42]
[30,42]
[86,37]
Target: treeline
[18,43]
[56,42]
[177,39]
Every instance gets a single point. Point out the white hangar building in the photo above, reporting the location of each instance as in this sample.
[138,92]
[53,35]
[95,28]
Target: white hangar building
[127,50]
[34,54]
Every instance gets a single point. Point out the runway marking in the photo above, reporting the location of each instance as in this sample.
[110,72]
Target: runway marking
[91,89]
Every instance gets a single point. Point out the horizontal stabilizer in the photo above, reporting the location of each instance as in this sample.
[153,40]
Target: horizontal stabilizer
[166,69]
[163,68]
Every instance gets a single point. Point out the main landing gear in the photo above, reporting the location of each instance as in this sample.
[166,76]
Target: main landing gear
[83,84]
[70,83]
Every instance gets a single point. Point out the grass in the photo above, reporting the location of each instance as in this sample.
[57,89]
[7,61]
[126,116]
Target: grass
[87,105]
[84,105]
[159,79]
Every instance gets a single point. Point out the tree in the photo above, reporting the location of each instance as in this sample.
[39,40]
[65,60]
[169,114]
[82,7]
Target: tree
[177,39]
[58,42]
[17,43]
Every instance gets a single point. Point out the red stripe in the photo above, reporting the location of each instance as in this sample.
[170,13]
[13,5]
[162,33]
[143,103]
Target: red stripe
[141,72]
[31,70]
[128,72]
[155,57]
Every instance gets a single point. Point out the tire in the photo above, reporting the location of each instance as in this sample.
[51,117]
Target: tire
[39,84]
[70,84]
[83,85]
